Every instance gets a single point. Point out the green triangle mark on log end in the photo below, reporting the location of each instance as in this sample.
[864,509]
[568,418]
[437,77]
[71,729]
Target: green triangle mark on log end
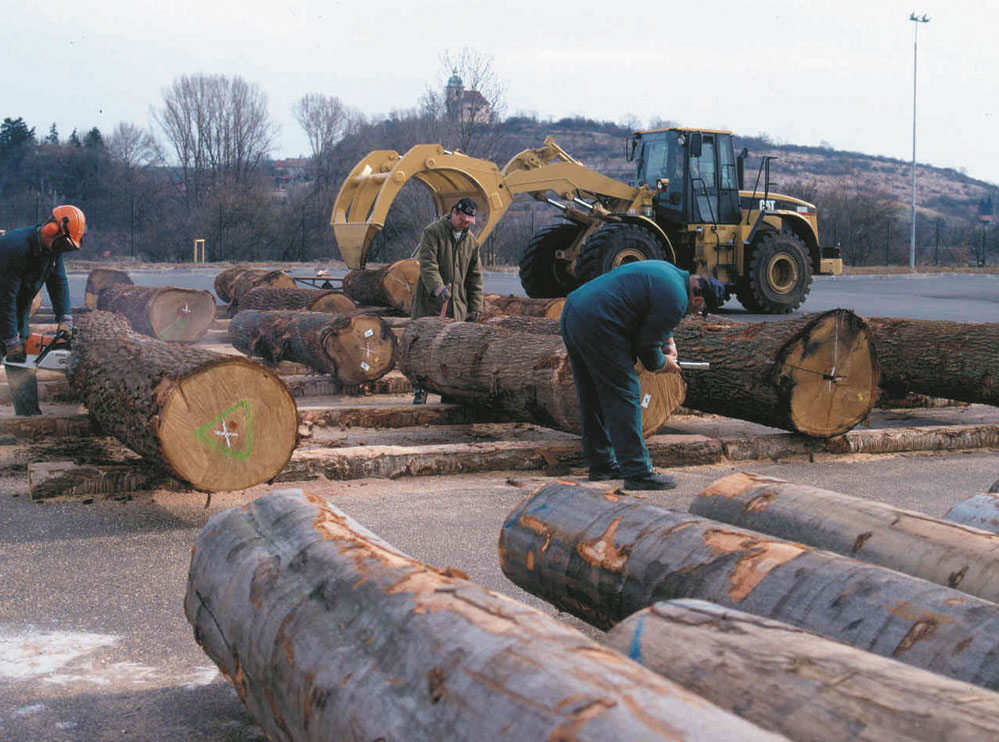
[231,432]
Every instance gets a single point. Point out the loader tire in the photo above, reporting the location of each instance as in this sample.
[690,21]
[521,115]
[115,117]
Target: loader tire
[779,275]
[542,274]
[613,246]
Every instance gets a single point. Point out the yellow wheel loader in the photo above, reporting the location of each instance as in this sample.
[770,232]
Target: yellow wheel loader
[690,206]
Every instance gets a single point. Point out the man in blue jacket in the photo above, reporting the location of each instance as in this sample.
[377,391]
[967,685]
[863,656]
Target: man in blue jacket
[607,323]
[31,257]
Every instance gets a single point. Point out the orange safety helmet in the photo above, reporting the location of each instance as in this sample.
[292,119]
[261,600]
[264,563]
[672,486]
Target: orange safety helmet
[68,222]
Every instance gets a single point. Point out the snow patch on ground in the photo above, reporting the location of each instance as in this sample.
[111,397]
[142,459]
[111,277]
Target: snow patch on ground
[26,655]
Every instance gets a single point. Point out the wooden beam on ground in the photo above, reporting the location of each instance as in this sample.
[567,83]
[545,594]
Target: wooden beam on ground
[164,312]
[917,544]
[602,556]
[50,480]
[47,426]
[917,438]
[328,632]
[799,684]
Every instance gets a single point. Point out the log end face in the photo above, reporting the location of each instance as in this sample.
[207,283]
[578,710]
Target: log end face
[181,315]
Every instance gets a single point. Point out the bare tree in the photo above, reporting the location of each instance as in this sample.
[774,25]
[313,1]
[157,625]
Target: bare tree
[219,128]
[468,108]
[132,147]
[326,121]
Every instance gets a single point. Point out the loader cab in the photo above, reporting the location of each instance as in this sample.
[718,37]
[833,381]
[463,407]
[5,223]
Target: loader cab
[693,174]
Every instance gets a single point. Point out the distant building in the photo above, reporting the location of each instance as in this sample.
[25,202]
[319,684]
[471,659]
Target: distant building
[292,170]
[467,106]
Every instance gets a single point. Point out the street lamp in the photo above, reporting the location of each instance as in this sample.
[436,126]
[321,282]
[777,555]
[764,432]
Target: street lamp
[916,20]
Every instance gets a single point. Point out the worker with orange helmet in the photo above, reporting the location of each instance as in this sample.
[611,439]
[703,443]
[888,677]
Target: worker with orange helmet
[32,257]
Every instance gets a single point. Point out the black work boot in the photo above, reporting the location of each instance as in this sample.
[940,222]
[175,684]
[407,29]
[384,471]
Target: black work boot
[419,396]
[654,480]
[603,473]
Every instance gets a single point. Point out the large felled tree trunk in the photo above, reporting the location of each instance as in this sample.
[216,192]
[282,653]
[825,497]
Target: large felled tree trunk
[231,283]
[816,374]
[953,360]
[98,279]
[800,684]
[504,305]
[980,511]
[163,312]
[391,285]
[217,422]
[311,300]
[329,633]
[519,375]
[915,543]
[355,348]
[602,557]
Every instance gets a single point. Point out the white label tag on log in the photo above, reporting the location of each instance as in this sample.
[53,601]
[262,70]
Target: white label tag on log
[646,399]
[365,366]
[369,333]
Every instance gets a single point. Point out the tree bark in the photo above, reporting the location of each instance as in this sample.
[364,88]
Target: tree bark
[355,348]
[504,305]
[230,284]
[309,300]
[519,323]
[954,360]
[800,684]
[163,312]
[216,422]
[98,279]
[602,557]
[391,285]
[816,375]
[327,632]
[524,376]
[914,543]
[980,511]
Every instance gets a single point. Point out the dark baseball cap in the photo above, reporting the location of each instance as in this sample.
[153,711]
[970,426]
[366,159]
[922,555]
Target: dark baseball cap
[467,206]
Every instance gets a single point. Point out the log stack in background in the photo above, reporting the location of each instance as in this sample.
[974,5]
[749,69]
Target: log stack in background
[267,298]
[518,375]
[355,348]
[229,284]
[508,305]
[328,633]
[164,312]
[98,279]
[603,556]
[391,285]
[216,422]
[817,375]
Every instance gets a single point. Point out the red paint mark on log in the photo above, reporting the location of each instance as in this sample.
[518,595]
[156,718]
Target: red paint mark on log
[858,544]
[760,558]
[602,553]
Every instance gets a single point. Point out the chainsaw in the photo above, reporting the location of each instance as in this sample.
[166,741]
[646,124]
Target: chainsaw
[51,353]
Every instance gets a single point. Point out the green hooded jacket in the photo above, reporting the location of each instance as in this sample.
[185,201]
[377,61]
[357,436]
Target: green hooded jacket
[444,262]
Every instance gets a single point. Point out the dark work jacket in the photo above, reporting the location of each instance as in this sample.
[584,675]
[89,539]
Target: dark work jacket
[632,310]
[24,269]
[444,262]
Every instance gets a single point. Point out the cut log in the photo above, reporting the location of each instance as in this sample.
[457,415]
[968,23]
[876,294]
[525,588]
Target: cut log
[537,325]
[98,279]
[36,304]
[963,558]
[355,348]
[954,360]
[327,632]
[216,422]
[232,283]
[309,300]
[503,305]
[603,556]
[163,312]
[816,375]
[391,285]
[799,684]
[522,376]
[980,511]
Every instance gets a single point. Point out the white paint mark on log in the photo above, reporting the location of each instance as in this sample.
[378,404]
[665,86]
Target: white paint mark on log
[646,399]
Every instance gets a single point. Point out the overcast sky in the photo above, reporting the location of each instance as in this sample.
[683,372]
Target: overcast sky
[808,73]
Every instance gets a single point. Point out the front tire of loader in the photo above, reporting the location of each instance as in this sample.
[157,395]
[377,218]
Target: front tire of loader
[613,246]
[543,274]
[779,275]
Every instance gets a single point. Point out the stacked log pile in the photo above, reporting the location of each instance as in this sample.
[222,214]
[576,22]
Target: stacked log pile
[355,348]
[266,298]
[392,285]
[216,422]
[234,282]
[508,305]
[328,632]
[518,375]
[163,312]
[98,279]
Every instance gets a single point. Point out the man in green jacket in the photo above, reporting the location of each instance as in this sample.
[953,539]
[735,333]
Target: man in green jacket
[450,282]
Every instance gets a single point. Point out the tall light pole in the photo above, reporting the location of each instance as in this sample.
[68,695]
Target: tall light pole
[916,20]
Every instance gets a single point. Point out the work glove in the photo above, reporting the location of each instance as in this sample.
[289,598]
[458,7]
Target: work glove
[65,327]
[15,351]
[443,293]
[472,317]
